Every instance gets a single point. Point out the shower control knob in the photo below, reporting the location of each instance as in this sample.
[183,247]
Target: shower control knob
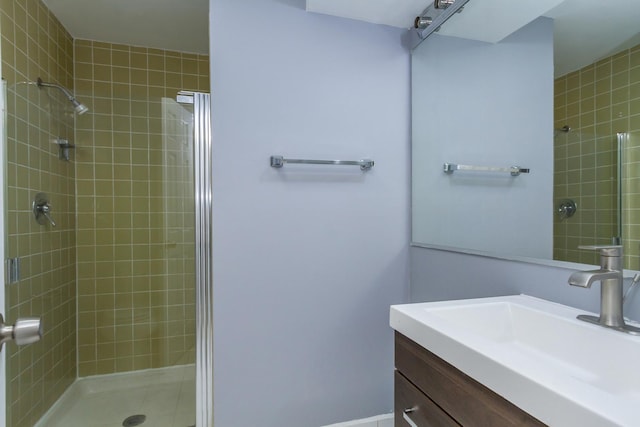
[26,330]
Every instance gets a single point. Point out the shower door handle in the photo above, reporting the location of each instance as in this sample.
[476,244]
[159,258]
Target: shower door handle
[26,330]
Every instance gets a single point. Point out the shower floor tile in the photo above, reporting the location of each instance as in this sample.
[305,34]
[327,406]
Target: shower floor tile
[165,396]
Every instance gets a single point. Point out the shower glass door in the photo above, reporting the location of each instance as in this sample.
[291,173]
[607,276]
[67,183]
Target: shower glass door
[112,269]
[587,175]
[135,251]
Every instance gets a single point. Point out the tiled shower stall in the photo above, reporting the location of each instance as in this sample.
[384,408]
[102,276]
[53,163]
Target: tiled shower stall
[113,281]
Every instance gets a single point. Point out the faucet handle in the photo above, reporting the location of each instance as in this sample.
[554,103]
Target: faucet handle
[605,250]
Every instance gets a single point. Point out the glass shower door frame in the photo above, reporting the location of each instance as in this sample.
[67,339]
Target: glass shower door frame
[621,140]
[203,254]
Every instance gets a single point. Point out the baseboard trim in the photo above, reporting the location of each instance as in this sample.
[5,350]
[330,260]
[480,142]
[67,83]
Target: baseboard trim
[385,420]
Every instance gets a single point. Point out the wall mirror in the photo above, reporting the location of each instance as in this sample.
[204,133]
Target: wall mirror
[559,97]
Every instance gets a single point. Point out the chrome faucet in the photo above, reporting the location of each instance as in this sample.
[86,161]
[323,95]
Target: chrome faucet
[611,297]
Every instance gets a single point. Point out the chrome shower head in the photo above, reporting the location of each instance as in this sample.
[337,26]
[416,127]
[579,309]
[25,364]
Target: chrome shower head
[79,107]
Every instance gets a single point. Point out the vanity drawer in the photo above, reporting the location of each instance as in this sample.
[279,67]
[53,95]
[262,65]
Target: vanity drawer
[467,401]
[423,411]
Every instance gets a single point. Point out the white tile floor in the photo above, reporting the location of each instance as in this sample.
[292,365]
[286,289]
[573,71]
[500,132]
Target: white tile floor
[166,396]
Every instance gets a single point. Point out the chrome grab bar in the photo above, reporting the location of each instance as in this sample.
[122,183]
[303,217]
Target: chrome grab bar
[513,170]
[365,164]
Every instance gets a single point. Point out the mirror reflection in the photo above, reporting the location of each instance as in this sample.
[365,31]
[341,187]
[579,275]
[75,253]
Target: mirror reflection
[596,143]
[578,132]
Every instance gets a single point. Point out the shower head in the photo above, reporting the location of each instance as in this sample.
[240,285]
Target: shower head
[79,107]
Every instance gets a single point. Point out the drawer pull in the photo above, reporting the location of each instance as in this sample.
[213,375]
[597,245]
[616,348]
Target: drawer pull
[406,417]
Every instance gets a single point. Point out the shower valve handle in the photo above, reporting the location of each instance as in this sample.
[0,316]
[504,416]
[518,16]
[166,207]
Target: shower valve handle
[41,209]
[45,211]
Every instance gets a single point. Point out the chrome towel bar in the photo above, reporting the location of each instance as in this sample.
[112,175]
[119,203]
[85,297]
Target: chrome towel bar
[279,161]
[513,170]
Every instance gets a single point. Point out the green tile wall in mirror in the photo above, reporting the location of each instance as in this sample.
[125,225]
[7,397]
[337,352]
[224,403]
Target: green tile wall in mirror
[560,96]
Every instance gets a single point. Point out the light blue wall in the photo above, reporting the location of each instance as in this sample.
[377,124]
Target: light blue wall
[441,275]
[307,259]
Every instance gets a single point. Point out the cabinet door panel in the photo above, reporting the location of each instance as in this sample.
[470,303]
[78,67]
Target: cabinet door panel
[420,409]
[463,398]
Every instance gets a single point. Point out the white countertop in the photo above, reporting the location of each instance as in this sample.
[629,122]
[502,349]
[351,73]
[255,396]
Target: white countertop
[534,353]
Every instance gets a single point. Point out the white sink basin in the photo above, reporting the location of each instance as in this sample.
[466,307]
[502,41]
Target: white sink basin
[536,354]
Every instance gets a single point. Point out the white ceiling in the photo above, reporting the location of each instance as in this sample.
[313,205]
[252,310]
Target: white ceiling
[588,30]
[396,13]
[585,30]
[181,25]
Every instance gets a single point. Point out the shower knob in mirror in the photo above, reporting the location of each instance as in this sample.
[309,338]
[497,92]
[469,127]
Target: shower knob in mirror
[566,208]
[26,330]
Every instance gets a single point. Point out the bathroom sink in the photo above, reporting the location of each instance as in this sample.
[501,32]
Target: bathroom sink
[534,353]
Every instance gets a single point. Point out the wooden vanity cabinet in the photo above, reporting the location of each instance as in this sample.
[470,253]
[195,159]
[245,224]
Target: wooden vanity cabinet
[437,394]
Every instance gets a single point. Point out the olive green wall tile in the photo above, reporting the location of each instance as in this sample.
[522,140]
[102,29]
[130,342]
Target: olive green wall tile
[34,44]
[620,94]
[619,80]
[128,171]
